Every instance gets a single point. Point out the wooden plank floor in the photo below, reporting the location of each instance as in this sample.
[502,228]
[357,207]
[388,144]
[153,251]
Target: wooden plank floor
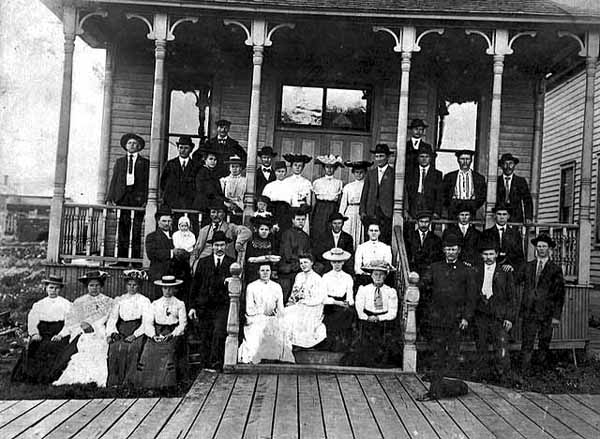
[312,407]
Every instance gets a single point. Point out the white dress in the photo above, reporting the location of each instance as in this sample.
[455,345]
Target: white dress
[304,313]
[350,206]
[265,336]
[234,188]
[184,240]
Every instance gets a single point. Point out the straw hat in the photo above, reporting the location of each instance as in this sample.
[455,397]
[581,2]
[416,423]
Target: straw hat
[93,275]
[54,280]
[336,255]
[168,281]
[378,266]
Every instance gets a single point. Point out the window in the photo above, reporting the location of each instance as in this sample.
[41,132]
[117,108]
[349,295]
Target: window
[457,129]
[567,190]
[188,115]
[327,108]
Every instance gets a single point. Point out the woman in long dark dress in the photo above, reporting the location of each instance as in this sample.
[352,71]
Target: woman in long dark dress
[260,245]
[163,355]
[125,328]
[45,356]
[327,190]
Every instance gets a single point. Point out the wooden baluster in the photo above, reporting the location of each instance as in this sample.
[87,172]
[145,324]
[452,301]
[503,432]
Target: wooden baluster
[75,231]
[118,212]
[411,300]
[130,243]
[89,221]
[199,221]
[234,286]
[102,229]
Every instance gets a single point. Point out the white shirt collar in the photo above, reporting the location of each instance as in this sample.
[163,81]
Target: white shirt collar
[382,168]
[498,226]
[135,155]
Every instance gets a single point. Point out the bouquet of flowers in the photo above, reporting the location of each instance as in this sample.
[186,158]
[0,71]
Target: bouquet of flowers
[298,294]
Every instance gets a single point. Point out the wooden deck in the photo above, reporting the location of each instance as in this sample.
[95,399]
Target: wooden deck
[308,406]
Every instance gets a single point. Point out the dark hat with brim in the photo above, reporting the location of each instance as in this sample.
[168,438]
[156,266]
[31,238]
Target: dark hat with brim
[137,275]
[263,199]
[163,211]
[168,281]
[297,158]
[360,164]
[464,207]
[508,156]
[54,280]
[207,151]
[415,123]
[544,237]
[502,206]
[337,216]
[219,236]
[488,244]
[125,138]
[93,275]
[464,152]
[258,221]
[234,160]
[279,165]
[301,210]
[382,148]
[185,140]
[223,123]
[216,205]
[266,150]
[426,149]
[424,214]
[450,240]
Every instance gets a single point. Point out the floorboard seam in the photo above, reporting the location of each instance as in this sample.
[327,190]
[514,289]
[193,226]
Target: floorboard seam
[345,407]
[582,401]
[573,412]
[497,413]
[119,417]
[550,414]
[212,385]
[274,405]
[9,406]
[394,407]
[321,405]
[224,408]
[415,402]
[41,419]
[250,406]
[97,414]
[144,418]
[69,417]
[169,417]
[26,411]
[369,405]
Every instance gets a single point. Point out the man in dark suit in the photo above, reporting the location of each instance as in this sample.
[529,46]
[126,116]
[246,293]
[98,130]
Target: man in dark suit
[422,245]
[417,129]
[423,184]
[178,181]
[265,173]
[335,237]
[224,147]
[209,301]
[377,199]
[464,185]
[208,187]
[495,309]
[470,236]
[542,301]
[129,187]
[508,238]
[513,190]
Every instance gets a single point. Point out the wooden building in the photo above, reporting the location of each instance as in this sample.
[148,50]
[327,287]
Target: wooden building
[331,76]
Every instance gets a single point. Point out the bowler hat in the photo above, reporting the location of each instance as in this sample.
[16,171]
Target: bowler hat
[508,156]
[450,240]
[185,140]
[266,150]
[125,138]
[300,210]
[336,216]
[223,123]
[219,236]
[54,280]
[488,244]
[263,199]
[297,158]
[381,148]
[163,211]
[216,204]
[544,237]
[464,207]
[415,123]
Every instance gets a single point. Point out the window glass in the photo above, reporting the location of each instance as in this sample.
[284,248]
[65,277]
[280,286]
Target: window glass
[457,130]
[183,113]
[302,105]
[346,109]
[567,186]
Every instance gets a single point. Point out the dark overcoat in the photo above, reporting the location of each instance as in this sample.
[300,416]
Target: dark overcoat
[511,247]
[261,181]
[178,187]
[158,249]
[208,291]
[138,195]
[208,188]
[223,151]
[502,305]
[376,195]
[546,299]
[470,242]
[420,257]
[519,198]
[431,198]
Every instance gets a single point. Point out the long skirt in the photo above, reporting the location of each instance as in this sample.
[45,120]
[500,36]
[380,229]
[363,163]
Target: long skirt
[282,215]
[123,356]
[318,221]
[157,367]
[354,226]
[265,338]
[305,325]
[43,361]
[89,364]
[338,322]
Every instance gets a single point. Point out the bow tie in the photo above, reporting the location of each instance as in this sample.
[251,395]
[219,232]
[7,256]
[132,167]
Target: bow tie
[266,169]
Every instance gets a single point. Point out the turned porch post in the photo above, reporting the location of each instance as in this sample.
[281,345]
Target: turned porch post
[104,157]
[538,132]
[259,37]
[64,125]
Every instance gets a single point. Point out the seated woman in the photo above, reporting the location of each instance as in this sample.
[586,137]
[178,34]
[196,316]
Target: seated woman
[126,324]
[338,311]
[44,359]
[265,337]
[86,324]
[261,245]
[371,250]
[304,312]
[163,351]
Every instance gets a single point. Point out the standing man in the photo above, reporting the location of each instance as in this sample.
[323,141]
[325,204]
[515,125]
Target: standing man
[469,235]
[417,129]
[265,173]
[334,237]
[508,238]
[377,199]
[423,184]
[129,187]
[464,185]
[208,186]
[513,190]
[422,245]
[224,147]
[178,181]
[542,302]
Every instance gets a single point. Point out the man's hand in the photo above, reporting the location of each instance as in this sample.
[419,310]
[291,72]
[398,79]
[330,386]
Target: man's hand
[36,337]
[555,322]
[86,327]
[463,324]
[507,268]
[130,338]
[192,314]
[507,325]
[372,319]
[56,338]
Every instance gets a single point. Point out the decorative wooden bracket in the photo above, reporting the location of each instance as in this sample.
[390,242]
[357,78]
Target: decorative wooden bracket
[160,28]
[588,48]
[259,33]
[500,43]
[407,39]
[81,20]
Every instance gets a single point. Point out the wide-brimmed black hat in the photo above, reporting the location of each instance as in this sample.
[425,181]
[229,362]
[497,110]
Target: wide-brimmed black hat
[544,237]
[223,123]
[336,216]
[266,150]
[125,138]
[415,123]
[185,140]
[451,240]
[360,164]
[300,210]
[464,151]
[219,236]
[93,275]
[258,221]
[54,280]
[508,156]
[382,148]
[426,149]
[502,206]
[205,151]
[297,158]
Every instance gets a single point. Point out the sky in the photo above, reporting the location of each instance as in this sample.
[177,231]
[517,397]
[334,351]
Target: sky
[31,58]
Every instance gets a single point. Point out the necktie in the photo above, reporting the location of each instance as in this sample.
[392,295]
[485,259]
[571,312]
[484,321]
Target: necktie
[506,188]
[422,181]
[501,232]
[538,271]
[378,300]
[422,238]
[218,263]
[130,165]
[183,166]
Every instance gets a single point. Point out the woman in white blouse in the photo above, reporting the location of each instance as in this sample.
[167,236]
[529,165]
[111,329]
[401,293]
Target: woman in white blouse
[265,337]
[327,190]
[350,201]
[126,326]
[300,187]
[280,195]
[163,355]
[369,251]
[45,357]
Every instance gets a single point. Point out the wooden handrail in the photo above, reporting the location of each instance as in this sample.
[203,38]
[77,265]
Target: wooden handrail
[105,206]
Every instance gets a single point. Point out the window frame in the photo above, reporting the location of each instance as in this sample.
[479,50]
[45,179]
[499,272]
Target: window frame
[571,165]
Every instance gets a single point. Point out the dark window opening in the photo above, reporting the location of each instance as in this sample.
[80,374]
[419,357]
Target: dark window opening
[567,191]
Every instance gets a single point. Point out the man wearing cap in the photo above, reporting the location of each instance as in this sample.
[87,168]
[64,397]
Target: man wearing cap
[423,184]
[237,235]
[208,302]
[265,172]
[494,310]
[294,242]
[469,235]
[422,245]
[417,129]
[234,188]
[224,147]
[129,187]
[208,186]
[542,301]
[464,185]
[334,236]
[178,181]
[513,190]
[377,199]
[508,238]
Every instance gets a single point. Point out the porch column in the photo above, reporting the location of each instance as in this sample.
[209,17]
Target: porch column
[499,45]
[259,37]
[104,157]
[64,125]
[536,160]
